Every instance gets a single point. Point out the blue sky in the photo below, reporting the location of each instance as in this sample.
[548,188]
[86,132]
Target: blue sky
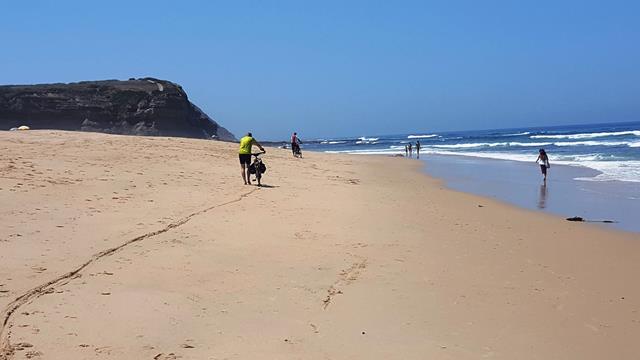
[346,68]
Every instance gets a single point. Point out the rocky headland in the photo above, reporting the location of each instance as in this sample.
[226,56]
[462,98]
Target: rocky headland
[145,106]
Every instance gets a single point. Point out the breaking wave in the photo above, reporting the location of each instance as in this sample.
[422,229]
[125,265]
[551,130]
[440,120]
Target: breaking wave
[587,135]
[422,136]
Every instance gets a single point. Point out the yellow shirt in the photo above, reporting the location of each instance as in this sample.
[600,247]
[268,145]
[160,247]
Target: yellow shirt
[245,144]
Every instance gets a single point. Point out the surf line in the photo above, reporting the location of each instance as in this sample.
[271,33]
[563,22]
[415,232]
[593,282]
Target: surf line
[6,350]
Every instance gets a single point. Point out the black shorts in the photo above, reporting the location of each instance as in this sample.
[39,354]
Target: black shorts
[245,159]
[543,168]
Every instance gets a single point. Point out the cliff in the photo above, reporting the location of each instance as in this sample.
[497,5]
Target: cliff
[134,107]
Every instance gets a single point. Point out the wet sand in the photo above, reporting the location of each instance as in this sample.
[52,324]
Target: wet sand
[117,247]
[521,184]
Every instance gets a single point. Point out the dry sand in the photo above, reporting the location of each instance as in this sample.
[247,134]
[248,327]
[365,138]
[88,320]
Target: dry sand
[340,257]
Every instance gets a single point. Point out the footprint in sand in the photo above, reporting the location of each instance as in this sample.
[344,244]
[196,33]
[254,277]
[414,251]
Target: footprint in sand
[103,350]
[21,346]
[169,356]
[32,354]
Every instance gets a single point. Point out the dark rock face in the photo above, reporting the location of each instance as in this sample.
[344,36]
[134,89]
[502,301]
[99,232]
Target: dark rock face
[134,107]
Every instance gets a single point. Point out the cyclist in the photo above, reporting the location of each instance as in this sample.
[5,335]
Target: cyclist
[295,144]
[245,155]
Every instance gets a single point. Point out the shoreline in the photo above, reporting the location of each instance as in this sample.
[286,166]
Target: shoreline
[340,256]
[519,184]
[605,148]
[592,171]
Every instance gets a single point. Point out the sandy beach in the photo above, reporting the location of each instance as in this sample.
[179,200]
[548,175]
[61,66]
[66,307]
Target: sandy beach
[124,247]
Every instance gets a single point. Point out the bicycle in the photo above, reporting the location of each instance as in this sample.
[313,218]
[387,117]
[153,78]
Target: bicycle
[296,150]
[258,167]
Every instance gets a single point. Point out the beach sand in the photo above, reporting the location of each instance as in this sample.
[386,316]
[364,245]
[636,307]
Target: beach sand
[122,247]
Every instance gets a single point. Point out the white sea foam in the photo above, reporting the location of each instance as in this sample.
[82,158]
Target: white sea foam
[587,135]
[536,144]
[326,142]
[367,151]
[612,170]
[468,145]
[594,143]
[503,144]
[609,170]
[518,134]
[488,155]
[422,136]
[496,144]
[515,143]
[366,140]
[585,157]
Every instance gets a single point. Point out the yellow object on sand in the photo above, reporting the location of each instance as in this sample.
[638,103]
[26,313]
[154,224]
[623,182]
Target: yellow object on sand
[245,145]
[24,127]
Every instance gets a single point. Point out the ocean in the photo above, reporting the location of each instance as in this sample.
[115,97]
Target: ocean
[595,168]
[613,150]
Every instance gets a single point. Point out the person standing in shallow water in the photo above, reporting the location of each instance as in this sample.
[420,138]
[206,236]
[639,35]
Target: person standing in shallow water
[418,148]
[410,150]
[406,151]
[543,161]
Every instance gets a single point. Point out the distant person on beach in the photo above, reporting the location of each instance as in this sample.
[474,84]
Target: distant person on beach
[245,155]
[418,148]
[543,160]
[295,145]
[406,150]
[410,150]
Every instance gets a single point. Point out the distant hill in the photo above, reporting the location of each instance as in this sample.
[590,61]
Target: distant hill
[145,106]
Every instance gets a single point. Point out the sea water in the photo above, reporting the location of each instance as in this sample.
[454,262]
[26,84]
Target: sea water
[595,169]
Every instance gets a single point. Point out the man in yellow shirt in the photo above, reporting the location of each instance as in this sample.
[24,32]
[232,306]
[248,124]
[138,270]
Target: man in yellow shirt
[245,155]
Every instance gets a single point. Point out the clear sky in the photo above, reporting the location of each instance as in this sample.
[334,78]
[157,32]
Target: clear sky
[346,68]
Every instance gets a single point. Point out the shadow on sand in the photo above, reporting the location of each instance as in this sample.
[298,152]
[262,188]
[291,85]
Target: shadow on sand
[268,186]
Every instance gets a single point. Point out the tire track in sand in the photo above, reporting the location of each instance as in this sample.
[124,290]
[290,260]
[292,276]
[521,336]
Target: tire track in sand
[7,351]
[346,277]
